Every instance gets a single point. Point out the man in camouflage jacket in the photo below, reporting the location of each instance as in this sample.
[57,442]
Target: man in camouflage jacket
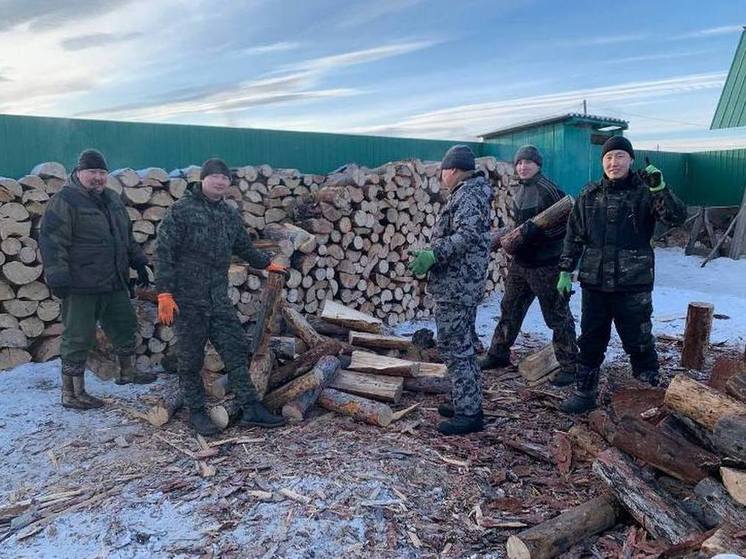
[609,233]
[87,248]
[533,272]
[196,240]
[457,262]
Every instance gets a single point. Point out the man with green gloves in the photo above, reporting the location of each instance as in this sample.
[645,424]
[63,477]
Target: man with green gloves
[197,238]
[533,272]
[457,265]
[609,233]
[87,246]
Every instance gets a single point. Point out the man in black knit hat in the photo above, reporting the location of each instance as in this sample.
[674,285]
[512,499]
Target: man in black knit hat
[534,272]
[609,234]
[87,246]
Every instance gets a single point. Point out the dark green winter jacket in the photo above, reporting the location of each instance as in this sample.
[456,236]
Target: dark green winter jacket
[86,241]
[195,243]
[610,231]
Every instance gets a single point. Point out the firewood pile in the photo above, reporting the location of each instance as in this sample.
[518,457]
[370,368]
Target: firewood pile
[674,460]
[346,236]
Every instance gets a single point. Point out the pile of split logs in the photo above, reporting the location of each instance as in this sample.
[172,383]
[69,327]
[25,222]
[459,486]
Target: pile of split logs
[346,236]
[676,464]
[340,361]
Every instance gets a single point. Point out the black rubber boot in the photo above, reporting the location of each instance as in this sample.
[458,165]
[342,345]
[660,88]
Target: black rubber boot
[128,374]
[563,378]
[650,376]
[446,410]
[256,414]
[489,361]
[201,422]
[462,424]
[586,392]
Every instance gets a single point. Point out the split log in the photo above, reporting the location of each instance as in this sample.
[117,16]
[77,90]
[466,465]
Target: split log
[339,314]
[300,327]
[540,366]
[137,195]
[261,360]
[723,541]
[736,386]
[34,291]
[700,402]
[697,335]
[11,357]
[320,375]
[303,363]
[365,362]
[327,328]
[554,215]
[326,369]
[369,411]
[553,537]
[428,385]
[300,239]
[735,483]
[14,338]
[716,498]
[729,436]
[378,341]
[377,387]
[652,507]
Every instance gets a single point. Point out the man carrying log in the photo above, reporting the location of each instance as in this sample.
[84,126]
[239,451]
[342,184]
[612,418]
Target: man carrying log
[87,246]
[609,233]
[534,271]
[457,262]
[196,240]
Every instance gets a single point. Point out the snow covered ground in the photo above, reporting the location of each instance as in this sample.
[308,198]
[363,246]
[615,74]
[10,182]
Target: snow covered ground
[679,280]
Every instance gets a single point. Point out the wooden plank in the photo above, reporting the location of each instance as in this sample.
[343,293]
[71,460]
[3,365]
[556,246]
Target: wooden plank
[738,244]
[365,362]
[337,313]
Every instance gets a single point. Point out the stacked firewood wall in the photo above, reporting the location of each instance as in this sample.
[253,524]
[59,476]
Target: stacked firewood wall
[346,235]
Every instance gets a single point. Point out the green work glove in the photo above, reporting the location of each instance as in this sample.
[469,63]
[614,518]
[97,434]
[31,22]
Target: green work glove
[564,284]
[422,262]
[654,178]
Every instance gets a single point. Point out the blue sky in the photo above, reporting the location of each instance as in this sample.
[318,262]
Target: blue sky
[417,68]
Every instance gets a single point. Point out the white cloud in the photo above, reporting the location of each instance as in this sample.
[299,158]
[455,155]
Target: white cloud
[709,32]
[360,14]
[361,56]
[701,142]
[602,40]
[282,46]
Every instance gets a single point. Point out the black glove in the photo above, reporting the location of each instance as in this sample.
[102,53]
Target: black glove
[530,232]
[61,291]
[143,279]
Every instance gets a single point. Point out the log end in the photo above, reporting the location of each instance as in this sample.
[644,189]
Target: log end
[517,549]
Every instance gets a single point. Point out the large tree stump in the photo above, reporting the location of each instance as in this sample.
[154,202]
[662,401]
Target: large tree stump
[700,402]
[555,536]
[697,335]
[554,215]
[729,436]
[374,413]
[326,369]
[653,508]
[261,360]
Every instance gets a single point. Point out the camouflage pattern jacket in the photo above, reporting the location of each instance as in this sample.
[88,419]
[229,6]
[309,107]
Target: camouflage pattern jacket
[533,196]
[86,241]
[195,243]
[610,231]
[461,243]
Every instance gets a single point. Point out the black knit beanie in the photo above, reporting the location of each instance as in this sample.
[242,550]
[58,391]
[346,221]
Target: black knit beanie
[528,152]
[459,157]
[214,166]
[617,142]
[91,159]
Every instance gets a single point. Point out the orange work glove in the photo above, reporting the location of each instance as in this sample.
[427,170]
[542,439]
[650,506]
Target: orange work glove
[166,308]
[277,267]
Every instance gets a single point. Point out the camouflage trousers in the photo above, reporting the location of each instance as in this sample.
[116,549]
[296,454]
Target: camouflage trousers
[631,314]
[220,325]
[455,325]
[521,288]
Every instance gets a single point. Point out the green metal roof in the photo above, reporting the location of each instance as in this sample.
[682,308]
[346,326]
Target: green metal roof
[594,121]
[731,109]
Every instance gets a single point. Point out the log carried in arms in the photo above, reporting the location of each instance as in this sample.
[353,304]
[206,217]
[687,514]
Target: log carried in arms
[554,215]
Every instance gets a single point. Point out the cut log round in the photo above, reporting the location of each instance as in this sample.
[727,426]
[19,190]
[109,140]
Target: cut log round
[46,349]
[11,357]
[700,402]
[374,413]
[21,309]
[48,310]
[19,273]
[13,338]
[697,335]
[32,326]
[137,195]
[167,405]
[34,291]
[553,537]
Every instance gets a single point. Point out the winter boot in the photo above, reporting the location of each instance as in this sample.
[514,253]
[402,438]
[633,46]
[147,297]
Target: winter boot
[446,410]
[563,378]
[462,424]
[256,414]
[83,396]
[128,374]
[650,376]
[69,399]
[586,392]
[202,423]
[489,361]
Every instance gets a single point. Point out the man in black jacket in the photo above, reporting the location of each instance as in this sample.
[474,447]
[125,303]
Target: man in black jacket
[609,233]
[533,272]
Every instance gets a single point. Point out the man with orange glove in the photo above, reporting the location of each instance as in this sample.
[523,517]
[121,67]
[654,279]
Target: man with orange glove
[196,240]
